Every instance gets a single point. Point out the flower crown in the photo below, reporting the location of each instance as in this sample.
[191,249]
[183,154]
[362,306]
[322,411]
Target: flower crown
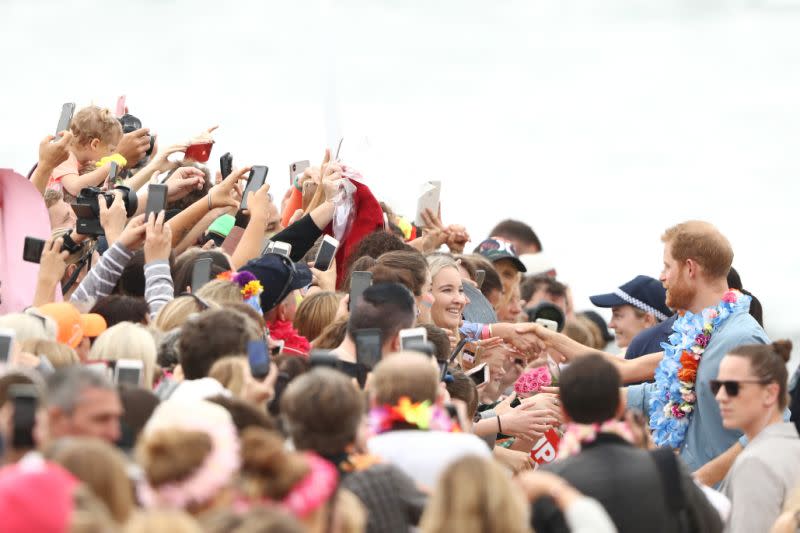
[250,286]
[423,415]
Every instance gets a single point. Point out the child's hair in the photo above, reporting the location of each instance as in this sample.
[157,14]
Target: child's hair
[95,123]
[268,469]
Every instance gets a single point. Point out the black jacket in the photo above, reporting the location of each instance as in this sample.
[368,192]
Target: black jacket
[628,484]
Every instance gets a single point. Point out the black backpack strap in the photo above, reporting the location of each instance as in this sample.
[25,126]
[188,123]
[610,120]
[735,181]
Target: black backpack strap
[667,465]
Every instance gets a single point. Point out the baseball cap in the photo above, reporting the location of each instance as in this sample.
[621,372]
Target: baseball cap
[642,292]
[22,487]
[279,276]
[495,249]
[538,263]
[72,325]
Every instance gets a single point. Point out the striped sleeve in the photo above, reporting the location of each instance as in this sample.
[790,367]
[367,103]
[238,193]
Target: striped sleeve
[158,287]
[102,279]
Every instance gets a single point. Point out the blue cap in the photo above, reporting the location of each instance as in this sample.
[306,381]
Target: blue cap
[642,292]
[279,276]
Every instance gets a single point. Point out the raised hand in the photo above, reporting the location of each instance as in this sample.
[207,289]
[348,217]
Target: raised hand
[52,154]
[113,217]
[228,192]
[134,145]
[158,238]
[183,181]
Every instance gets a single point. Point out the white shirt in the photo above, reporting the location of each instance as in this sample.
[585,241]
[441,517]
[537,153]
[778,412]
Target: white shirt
[424,455]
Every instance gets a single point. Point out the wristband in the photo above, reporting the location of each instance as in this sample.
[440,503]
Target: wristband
[486,332]
[119,159]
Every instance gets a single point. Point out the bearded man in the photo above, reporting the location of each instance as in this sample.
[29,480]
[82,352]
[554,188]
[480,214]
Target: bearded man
[712,321]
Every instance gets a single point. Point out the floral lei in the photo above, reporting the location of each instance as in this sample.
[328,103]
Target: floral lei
[576,435]
[423,415]
[673,403]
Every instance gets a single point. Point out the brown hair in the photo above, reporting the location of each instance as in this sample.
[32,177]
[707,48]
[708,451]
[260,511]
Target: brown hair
[411,262]
[170,455]
[162,520]
[329,423]
[440,340]
[268,469]
[95,123]
[551,286]
[703,243]
[244,414]
[199,349]
[332,336]
[102,467]
[768,362]
[175,313]
[385,274]
[315,312]
[463,388]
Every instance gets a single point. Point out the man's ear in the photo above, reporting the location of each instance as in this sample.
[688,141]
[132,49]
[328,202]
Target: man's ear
[394,346]
[650,320]
[692,268]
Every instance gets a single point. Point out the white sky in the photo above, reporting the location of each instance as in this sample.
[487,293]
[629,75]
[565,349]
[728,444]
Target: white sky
[599,123]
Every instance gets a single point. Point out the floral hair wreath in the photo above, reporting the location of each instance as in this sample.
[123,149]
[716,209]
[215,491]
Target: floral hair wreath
[250,287]
[423,415]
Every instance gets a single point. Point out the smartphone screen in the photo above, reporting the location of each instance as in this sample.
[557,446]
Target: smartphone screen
[368,347]
[297,168]
[479,375]
[359,281]
[258,175]
[128,375]
[278,348]
[412,336]
[156,199]
[258,357]
[226,165]
[6,341]
[326,253]
[457,350]
[201,273]
[67,110]
[32,252]
[25,401]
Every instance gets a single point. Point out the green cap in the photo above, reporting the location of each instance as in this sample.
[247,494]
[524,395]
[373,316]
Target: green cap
[222,225]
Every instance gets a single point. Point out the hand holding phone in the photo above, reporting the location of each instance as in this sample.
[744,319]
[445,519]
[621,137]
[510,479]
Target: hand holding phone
[428,199]
[411,336]
[199,152]
[156,199]
[326,253]
[296,169]
[479,375]
[258,175]
[129,372]
[67,110]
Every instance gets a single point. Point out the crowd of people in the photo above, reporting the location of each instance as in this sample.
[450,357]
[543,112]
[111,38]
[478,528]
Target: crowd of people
[200,366]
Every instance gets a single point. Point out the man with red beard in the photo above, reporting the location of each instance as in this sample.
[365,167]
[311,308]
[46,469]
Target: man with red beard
[712,320]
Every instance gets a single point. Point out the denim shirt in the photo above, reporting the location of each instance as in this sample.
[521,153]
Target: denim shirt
[706,438]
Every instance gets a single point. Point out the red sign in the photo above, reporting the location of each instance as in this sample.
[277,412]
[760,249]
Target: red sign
[546,449]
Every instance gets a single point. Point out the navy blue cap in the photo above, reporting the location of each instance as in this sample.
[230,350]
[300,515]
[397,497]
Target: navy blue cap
[642,292]
[278,278]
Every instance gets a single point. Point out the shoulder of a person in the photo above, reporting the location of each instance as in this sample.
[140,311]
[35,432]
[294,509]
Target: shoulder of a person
[739,329]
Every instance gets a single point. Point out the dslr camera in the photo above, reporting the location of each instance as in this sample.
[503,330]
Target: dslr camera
[87,208]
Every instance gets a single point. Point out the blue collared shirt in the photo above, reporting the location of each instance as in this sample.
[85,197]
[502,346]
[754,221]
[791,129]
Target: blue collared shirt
[706,438]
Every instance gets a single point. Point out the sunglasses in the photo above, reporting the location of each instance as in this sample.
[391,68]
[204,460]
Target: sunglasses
[732,386]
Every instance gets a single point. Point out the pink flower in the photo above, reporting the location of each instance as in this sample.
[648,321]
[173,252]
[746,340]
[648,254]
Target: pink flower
[532,381]
[676,411]
[689,397]
[702,340]
[729,297]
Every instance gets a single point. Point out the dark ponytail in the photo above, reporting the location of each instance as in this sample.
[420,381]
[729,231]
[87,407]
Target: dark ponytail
[768,362]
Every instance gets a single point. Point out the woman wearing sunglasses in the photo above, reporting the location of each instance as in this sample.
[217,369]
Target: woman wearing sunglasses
[751,391]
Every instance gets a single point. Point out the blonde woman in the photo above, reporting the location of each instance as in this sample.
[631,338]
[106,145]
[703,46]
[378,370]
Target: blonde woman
[234,374]
[59,355]
[175,313]
[220,291]
[127,340]
[475,495]
[315,312]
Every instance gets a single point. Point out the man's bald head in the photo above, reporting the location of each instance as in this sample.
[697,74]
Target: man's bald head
[405,374]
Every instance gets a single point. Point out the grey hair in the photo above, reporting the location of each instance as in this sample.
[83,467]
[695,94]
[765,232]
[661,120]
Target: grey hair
[65,386]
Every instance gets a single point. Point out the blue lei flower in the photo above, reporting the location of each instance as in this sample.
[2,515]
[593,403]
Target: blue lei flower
[668,429]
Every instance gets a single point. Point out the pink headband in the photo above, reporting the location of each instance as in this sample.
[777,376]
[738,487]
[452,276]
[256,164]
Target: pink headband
[308,494]
[217,469]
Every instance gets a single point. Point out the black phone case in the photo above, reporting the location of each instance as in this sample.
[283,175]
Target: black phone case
[32,252]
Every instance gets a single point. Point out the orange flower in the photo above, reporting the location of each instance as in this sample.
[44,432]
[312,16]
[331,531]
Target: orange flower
[688,371]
